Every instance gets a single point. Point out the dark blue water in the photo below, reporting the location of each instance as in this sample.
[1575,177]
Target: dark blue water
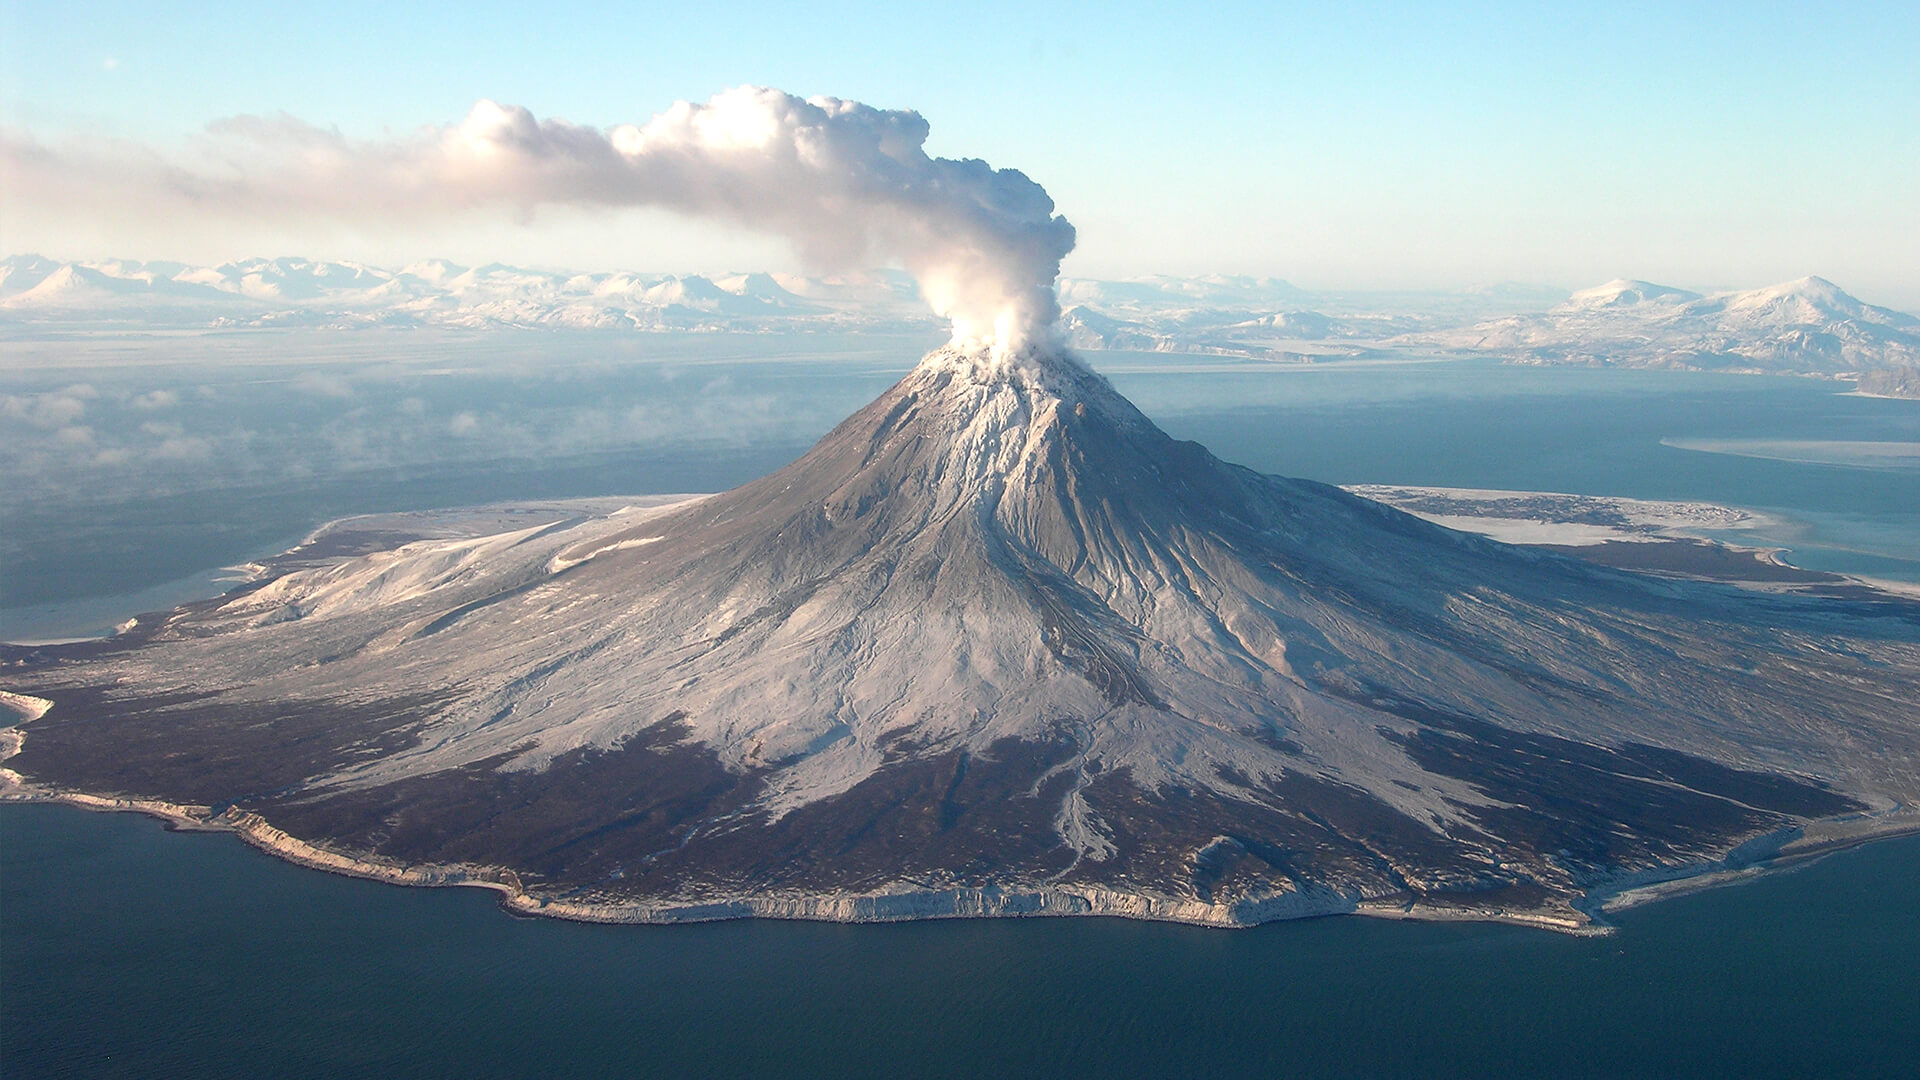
[132,952]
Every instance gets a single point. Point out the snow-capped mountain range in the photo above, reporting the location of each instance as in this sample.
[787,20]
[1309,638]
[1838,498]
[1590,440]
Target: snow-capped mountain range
[1810,326]
[294,292]
[1807,327]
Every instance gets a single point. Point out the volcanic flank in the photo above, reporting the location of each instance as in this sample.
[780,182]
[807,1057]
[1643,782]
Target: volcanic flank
[997,645]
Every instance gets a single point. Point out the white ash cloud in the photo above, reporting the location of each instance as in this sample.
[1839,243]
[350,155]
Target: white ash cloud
[847,184]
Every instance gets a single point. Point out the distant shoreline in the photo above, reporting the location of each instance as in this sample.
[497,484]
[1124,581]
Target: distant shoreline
[1678,538]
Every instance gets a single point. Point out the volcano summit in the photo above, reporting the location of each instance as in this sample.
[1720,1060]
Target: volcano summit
[997,645]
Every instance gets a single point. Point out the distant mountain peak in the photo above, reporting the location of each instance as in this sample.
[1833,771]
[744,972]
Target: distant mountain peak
[1627,292]
[1810,297]
[434,270]
[759,285]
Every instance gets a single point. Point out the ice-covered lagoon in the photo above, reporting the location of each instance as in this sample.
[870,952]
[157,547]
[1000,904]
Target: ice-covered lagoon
[143,467]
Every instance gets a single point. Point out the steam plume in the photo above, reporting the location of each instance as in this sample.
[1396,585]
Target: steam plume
[844,182]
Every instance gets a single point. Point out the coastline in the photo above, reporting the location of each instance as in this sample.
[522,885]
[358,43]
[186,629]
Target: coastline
[1585,916]
[1879,395]
[1815,841]
[907,905]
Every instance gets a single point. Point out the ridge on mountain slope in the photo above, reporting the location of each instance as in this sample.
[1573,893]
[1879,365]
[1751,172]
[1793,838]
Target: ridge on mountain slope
[998,632]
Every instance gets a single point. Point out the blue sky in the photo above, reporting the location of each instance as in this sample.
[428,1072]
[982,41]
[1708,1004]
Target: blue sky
[1369,146]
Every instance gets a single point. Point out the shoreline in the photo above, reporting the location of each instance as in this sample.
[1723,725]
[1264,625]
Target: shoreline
[906,905]
[973,902]
[1781,851]
[1816,841]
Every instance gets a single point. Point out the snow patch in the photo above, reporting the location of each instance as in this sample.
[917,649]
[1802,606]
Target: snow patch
[567,561]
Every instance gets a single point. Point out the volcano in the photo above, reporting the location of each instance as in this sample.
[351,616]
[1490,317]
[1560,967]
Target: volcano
[997,645]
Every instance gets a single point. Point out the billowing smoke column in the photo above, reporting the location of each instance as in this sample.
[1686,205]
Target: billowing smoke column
[846,183]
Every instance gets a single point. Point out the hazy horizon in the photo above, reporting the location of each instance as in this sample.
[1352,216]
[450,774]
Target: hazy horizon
[1537,291]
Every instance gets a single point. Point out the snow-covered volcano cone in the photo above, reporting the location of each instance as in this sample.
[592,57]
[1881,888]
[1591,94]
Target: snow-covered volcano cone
[998,644]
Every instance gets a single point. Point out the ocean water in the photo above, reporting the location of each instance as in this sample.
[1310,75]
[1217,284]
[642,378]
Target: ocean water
[131,952]
[126,950]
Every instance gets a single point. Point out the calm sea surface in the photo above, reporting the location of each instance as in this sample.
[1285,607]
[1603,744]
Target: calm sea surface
[133,952]
[126,950]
